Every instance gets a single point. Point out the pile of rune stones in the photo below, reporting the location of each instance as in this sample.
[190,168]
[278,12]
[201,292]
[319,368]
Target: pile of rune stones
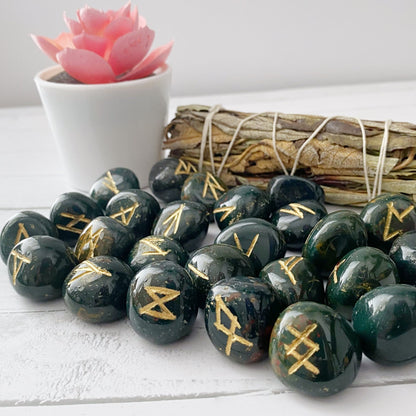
[349,289]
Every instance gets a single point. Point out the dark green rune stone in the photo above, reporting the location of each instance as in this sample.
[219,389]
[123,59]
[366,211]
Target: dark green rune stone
[314,350]
[245,201]
[38,266]
[104,236]
[261,241]
[403,253]
[385,321]
[156,248]
[135,209]
[284,190]
[185,221]
[239,316]
[162,302]
[23,225]
[333,237]
[386,217]
[294,279]
[96,290]
[213,263]
[111,183]
[358,272]
[296,221]
[71,213]
[167,177]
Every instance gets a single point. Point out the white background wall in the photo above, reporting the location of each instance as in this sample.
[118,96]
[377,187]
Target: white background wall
[234,45]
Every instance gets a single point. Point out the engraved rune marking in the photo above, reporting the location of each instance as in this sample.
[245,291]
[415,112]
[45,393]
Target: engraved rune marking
[252,244]
[335,276]
[198,272]
[110,184]
[213,185]
[393,212]
[88,238]
[125,219]
[173,221]
[226,210]
[288,265]
[230,332]
[160,302]
[302,359]
[21,232]
[18,260]
[184,168]
[88,268]
[297,210]
[70,226]
[152,243]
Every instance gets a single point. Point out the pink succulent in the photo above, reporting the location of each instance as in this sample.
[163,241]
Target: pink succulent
[104,47]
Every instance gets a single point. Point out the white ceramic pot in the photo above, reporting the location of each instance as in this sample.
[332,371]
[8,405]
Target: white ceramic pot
[102,126]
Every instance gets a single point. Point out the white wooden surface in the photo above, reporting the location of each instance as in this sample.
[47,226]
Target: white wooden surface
[53,363]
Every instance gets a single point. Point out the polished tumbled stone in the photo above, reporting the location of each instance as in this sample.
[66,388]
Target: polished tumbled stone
[358,272]
[386,217]
[162,302]
[261,241]
[239,316]
[185,221]
[213,263]
[293,279]
[314,350]
[296,221]
[71,213]
[403,253]
[167,177]
[111,183]
[38,266]
[245,201]
[333,237]
[23,225]
[385,321]
[135,209]
[96,290]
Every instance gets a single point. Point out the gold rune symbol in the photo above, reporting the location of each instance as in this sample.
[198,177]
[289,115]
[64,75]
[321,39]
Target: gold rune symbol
[160,302]
[230,332]
[70,226]
[302,338]
[87,268]
[21,232]
[337,266]
[88,238]
[252,244]
[173,221]
[184,168]
[393,211]
[122,214]
[288,265]
[213,185]
[198,272]
[17,265]
[226,210]
[109,183]
[152,243]
[297,210]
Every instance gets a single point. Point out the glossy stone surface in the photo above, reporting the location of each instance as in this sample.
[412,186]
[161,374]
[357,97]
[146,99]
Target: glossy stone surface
[333,237]
[38,266]
[185,221]
[296,220]
[293,279]
[23,225]
[239,316]
[314,350]
[96,290]
[385,321]
[135,209]
[284,190]
[245,201]
[162,302]
[71,213]
[403,253]
[111,183]
[167,177]
[261,241]
[104,236]
[386,217]
[156,248]
[213,263]
[358,272]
